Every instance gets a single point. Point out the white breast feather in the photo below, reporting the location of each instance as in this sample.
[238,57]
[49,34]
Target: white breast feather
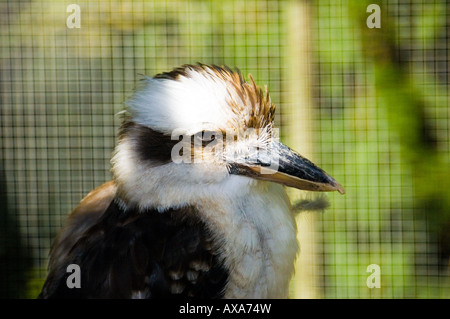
[259,240]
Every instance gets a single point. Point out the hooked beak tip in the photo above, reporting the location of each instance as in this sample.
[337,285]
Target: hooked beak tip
[340,189]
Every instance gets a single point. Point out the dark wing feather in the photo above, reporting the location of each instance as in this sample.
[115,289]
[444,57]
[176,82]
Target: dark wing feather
[125,254]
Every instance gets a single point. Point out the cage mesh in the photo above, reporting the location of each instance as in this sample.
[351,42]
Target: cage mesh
[380,121]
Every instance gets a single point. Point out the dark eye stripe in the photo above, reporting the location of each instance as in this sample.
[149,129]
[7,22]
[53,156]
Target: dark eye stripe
[150,145]
[156,147]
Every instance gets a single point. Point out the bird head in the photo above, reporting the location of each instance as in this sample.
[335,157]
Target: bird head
[200,129]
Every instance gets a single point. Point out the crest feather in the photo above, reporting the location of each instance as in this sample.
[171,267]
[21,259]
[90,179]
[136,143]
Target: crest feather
[192,95]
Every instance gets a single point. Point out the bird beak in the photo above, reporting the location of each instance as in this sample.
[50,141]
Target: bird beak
[285,166]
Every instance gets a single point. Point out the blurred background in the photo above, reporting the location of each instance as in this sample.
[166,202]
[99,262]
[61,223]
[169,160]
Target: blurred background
[369,105]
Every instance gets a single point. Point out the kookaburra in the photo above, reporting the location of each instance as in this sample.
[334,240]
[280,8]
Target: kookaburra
[197,206]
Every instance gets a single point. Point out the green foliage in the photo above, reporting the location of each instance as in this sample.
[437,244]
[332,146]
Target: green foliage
[397,207]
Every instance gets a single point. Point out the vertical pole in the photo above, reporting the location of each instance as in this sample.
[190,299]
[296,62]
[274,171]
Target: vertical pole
[298,123]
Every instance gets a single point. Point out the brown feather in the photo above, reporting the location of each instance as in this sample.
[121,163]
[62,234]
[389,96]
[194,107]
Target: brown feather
[252,99]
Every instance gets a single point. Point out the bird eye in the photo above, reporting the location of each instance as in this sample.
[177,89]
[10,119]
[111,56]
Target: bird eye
[205,137]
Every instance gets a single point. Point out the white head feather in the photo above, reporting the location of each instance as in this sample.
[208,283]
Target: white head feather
[196,98]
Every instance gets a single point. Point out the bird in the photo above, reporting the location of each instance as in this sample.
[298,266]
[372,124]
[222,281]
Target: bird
[197,205]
